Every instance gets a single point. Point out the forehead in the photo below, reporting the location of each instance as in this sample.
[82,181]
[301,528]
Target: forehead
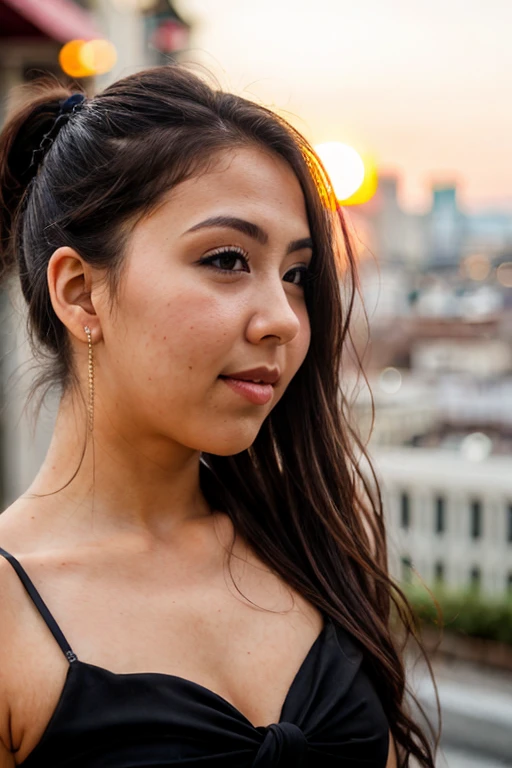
[246,182]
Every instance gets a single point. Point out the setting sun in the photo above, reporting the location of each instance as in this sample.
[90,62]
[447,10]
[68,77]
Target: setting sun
[345,167]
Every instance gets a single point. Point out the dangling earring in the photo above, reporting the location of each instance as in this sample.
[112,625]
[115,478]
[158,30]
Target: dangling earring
[90,407]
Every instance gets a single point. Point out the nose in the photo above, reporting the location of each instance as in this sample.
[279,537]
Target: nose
[274,316]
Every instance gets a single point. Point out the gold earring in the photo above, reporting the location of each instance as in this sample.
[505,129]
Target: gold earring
[91,379]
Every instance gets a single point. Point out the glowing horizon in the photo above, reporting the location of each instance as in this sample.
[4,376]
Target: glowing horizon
[423,88]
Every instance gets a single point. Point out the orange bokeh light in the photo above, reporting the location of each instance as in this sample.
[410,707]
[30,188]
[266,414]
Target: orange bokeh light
[70,61]
[98,56]
[85,58]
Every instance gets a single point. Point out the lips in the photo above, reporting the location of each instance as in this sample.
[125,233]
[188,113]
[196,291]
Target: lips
[260,375]
[255,385]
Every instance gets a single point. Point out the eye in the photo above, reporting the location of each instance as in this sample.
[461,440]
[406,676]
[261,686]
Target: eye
[228,258]
[297,275]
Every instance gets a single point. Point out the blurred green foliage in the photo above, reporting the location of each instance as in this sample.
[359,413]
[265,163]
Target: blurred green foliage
[468,613]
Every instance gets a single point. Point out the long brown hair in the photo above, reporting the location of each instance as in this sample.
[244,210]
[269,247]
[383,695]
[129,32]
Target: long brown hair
[298,495]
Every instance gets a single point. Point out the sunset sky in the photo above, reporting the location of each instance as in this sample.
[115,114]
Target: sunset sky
[425,86]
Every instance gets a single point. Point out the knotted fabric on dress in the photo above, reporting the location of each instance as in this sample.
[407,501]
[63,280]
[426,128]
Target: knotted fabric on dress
[284,745]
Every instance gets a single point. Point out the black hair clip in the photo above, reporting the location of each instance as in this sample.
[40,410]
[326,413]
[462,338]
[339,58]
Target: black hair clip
[67,107]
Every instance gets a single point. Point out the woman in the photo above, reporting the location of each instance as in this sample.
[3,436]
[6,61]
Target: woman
[206,582]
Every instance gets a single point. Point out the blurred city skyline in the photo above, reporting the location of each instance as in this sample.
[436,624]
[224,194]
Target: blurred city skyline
[422,87]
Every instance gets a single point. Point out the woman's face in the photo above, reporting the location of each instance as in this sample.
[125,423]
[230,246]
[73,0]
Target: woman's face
[211,301]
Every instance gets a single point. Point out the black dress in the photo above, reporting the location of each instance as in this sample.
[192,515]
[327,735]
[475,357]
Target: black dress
[331,716]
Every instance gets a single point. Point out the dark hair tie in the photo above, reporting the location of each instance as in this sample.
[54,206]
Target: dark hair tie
[67,107]
[73,103]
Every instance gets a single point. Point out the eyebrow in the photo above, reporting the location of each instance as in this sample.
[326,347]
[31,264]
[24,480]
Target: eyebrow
[250,229]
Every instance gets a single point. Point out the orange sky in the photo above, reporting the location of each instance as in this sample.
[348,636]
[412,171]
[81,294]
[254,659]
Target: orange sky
[426,86]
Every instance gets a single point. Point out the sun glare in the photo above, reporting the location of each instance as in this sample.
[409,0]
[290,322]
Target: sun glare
[345,167]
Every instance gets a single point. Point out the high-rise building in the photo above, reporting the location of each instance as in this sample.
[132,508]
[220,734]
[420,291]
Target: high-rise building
[446,228]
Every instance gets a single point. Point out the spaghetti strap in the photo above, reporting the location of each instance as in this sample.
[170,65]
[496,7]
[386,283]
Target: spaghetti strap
[40,605]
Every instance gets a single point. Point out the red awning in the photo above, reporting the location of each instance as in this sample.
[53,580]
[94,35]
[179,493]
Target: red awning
[61,20]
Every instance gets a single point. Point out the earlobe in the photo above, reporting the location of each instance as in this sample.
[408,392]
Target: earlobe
[70,284]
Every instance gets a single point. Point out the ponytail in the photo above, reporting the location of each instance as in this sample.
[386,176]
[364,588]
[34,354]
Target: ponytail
[21,151]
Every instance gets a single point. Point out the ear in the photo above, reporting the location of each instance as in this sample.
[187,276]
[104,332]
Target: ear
[70,284]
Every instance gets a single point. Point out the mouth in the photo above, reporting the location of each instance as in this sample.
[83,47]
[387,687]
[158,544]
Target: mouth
[260,375]
[256,391]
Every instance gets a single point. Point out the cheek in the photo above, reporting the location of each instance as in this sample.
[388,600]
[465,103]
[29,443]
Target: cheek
[296,352]
[184,332]
[302,341]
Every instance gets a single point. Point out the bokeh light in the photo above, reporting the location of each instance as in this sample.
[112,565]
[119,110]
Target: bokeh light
[86,58]
[390,380]
[476,447]
[504,274]
[476,267]
[98,55]
[70,61]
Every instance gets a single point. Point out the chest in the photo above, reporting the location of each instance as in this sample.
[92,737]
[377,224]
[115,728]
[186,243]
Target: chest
[245,649]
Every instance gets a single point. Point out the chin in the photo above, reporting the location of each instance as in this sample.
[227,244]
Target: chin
[227,442]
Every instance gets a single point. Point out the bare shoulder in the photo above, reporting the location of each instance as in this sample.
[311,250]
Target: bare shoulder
[20,523]
[13,603]
[18,538]
[11,592]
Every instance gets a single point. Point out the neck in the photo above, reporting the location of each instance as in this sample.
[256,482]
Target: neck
[142,484]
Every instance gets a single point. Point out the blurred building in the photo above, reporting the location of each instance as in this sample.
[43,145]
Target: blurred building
[489,233]
[446,229]
[449,518]
[440,370]
[437,240]
[457,370]
[398,238]
[145,33]
[32,32]
[166,32]
[31,35]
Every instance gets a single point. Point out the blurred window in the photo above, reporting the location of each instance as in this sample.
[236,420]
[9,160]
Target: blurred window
[405,511]
[509,522]
[406,569]
[475,577]
[476,519]
[440,514]
[439,572]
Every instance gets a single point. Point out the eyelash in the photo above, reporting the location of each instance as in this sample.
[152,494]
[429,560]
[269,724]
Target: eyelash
[230,250]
